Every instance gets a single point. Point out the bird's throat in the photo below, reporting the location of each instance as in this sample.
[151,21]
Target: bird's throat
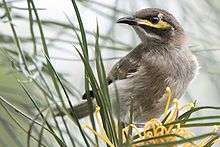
[144,36]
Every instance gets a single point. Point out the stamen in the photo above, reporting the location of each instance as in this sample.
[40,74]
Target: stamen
[102,137]
[168,94]
[97,113]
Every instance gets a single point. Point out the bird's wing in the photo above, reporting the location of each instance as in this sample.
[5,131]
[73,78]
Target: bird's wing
[126,66]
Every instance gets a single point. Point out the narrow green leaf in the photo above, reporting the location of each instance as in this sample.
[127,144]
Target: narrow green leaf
[194,119]
[83,34]
[41,130]
[188,113]
[21,54]
[40,28]
[31,24]
[170,143]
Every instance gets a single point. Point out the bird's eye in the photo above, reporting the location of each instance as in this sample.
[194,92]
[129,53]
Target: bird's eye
[155,19]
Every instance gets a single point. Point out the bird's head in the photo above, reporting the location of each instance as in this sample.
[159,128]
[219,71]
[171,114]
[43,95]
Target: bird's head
[153,24]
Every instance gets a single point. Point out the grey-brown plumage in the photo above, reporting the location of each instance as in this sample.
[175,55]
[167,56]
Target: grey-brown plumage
[161,60]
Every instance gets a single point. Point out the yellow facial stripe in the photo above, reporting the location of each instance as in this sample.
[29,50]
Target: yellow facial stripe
[160,25]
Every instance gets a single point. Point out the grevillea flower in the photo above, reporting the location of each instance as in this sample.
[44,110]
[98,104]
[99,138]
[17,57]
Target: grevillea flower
[156,131]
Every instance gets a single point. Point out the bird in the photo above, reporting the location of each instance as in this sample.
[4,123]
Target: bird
[162,59]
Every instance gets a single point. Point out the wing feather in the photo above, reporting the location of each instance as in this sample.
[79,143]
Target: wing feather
[127,66]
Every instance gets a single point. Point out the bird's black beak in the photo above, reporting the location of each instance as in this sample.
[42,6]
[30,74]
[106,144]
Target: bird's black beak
[128,20]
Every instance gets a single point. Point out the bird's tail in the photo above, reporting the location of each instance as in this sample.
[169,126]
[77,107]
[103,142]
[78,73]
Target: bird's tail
[81,110]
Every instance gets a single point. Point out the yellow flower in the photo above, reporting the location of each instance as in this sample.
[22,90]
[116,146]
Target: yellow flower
[102,135]
[156,131]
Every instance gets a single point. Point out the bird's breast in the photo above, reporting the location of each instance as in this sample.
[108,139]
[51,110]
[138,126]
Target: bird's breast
[174,69]
[145,88]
